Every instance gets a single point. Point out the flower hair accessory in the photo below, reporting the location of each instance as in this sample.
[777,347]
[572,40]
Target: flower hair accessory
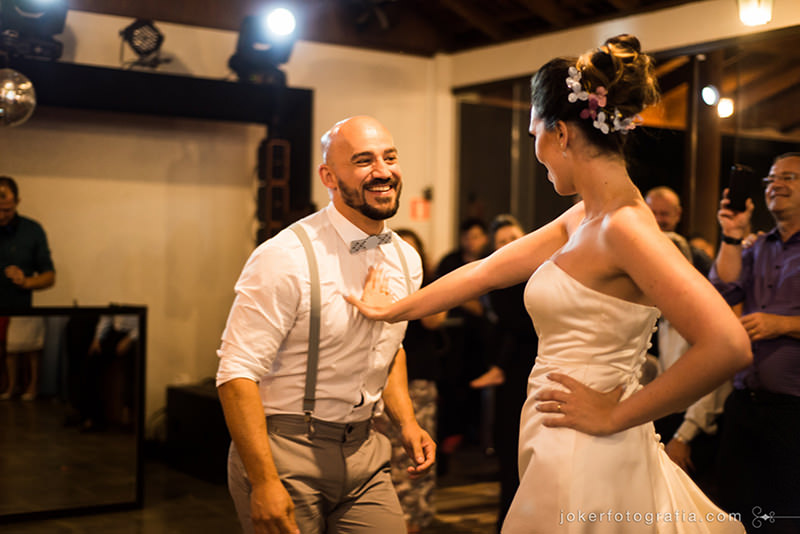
[603,119]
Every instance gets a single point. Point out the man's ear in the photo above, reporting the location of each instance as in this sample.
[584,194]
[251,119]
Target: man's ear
[326,176]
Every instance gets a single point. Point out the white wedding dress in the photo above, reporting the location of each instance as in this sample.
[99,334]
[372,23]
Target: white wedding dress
[570,481]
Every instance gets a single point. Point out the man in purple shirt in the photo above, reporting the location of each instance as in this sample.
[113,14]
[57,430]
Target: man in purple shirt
[759,455]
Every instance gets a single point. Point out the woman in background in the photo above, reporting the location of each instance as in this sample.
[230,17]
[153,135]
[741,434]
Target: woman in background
[423,344]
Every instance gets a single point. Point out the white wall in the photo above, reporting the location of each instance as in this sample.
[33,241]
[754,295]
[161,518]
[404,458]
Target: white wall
[158,211]
[142,211]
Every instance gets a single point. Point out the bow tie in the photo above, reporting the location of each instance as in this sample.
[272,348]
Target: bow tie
[370,242]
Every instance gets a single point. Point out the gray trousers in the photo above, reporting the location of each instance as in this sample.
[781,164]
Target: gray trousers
[339,478]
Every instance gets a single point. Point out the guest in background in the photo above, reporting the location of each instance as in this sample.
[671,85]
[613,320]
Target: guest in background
[26,266]
[424,344]
[114,345]
[465,359]
[759,466]
[666,206]
[515,345]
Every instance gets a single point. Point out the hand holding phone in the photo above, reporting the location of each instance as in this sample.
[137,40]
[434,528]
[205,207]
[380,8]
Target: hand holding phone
[741,177]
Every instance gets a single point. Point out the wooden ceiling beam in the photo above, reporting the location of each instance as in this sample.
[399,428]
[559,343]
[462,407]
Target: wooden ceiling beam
[780,113]
[477,18]
[765,88]
[551,12]
[625,5]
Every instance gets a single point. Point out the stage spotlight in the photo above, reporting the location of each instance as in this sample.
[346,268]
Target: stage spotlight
[27,27]
[710,95]
[265,43]
[725,108]
[145,39]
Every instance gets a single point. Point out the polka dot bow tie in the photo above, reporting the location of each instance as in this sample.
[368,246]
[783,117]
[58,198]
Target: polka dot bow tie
[370,242]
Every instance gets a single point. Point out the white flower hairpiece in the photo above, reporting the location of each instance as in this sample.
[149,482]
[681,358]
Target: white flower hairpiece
[603,119]
[574,83]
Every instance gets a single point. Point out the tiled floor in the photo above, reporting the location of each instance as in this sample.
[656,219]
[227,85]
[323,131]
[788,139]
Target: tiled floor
[177,503]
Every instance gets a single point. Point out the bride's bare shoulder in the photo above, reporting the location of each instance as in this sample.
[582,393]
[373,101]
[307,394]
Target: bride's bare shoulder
[573,217]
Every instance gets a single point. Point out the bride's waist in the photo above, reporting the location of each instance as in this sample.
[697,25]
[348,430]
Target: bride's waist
[599,375]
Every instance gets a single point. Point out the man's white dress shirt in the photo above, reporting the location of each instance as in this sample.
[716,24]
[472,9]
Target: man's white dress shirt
[266,337]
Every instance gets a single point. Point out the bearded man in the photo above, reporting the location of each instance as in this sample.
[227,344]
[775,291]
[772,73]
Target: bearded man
[301,374]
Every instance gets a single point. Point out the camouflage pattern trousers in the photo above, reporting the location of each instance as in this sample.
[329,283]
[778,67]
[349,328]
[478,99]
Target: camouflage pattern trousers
[415,495]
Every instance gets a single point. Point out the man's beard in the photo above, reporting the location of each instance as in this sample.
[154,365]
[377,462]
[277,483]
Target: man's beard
[357,200]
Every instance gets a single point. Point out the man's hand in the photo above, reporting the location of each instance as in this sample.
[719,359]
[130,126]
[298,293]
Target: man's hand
[94,348]
[734,223]
[420,448]
[763,325]
[272,509]
[124,345]
[681,453]
[16,275]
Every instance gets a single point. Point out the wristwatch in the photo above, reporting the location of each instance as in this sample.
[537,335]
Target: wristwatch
[731,240]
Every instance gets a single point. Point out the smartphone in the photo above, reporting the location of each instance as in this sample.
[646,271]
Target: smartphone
[739,184]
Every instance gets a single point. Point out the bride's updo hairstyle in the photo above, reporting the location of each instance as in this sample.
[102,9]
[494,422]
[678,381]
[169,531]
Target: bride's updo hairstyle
[601,91]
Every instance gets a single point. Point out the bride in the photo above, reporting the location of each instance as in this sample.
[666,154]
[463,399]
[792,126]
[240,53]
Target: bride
[598,276]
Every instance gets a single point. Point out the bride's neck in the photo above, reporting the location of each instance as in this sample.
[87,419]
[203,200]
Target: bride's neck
[604,184]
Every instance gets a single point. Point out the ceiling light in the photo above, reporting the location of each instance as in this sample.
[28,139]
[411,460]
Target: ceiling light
[725,108]
[710,95]
[755,12]
[265,43]
[145,40]
[27,27]
[281,22]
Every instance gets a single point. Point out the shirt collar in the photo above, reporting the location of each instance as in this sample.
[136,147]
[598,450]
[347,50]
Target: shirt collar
[346,230]
[773,234]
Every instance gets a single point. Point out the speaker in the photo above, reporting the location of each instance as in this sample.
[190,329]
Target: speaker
[197,437]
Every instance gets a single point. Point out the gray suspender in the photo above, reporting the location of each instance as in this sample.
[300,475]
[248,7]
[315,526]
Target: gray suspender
[409,287]
[314,319]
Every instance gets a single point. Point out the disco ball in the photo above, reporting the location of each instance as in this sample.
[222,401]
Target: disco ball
[17,98]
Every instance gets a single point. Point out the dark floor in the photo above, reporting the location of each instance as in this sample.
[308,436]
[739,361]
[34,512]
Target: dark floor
[174,502]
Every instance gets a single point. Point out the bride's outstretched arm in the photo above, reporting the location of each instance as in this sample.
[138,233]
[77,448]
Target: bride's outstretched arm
[510,265]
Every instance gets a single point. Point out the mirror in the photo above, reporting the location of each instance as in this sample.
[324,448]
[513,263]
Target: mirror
[74,446]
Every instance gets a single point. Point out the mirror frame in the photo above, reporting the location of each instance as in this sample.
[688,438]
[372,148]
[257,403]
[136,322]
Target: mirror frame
[137,499]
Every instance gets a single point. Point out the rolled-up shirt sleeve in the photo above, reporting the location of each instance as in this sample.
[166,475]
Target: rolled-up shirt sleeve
[733,292]
[267,299]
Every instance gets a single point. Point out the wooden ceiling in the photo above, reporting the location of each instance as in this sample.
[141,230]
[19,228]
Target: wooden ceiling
[760,75]
[419,27]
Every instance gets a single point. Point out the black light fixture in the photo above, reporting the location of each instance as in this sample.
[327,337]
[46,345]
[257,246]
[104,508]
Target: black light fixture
[145,40]
[265,43]
[27,27]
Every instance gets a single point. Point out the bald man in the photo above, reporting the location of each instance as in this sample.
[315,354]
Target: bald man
[303,451]
[666,206]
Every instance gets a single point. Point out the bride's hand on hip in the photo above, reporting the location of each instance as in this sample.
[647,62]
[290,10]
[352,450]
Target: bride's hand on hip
[580,407]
